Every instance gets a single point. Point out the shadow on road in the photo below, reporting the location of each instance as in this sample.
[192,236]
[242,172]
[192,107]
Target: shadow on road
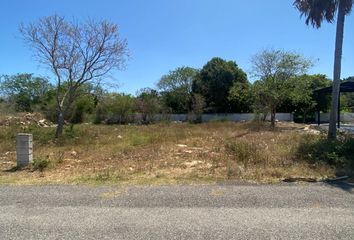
[346,186]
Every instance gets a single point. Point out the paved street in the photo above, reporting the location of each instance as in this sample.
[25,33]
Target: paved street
[226,211]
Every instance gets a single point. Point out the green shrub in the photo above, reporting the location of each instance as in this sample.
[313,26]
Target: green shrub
[40,164]
[83,105]
[115,108]
[339,153]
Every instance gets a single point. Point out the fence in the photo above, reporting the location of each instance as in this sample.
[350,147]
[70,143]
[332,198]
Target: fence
[234,117]
[344,117]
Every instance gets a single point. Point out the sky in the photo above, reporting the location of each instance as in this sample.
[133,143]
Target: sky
[165,34]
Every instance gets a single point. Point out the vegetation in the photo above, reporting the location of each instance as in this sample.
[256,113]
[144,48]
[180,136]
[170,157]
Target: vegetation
[214,82]
[40,164]
[76,54]
[147,104]
[82,54]
[316,11]
[303,97]
[198,105]
[170,153]
[114,108]
[276,70]
[337,153]
[176,89]
[24,91]
[93,104]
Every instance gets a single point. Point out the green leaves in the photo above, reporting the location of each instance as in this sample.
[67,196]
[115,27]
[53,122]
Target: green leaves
[242,96]
[180,78]
[176,89]
[24,90]
[318,149]
[272,65]
[316,11]
[214,82]
[276,70]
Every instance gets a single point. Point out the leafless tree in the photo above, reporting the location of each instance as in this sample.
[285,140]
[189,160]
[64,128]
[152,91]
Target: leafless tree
[76,53]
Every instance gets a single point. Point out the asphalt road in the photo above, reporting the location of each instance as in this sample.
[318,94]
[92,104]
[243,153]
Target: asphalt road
[229,211]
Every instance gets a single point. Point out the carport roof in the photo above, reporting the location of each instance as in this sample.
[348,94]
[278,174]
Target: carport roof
[344,87]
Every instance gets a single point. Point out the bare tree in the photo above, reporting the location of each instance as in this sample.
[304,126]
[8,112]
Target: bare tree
[76,53]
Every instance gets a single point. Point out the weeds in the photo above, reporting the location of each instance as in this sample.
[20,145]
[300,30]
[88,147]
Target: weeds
[40,164]
[171,152]
[318,149]
[246,153]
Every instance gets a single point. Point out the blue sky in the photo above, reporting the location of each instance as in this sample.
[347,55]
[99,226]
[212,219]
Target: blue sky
[165,34]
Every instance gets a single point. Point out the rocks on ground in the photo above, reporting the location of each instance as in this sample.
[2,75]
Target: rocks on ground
[26,120]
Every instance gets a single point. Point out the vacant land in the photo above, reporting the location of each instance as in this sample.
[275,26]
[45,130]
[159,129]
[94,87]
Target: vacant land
[163,153]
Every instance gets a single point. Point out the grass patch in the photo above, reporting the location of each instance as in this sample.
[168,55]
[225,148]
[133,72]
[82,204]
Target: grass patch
[246,153]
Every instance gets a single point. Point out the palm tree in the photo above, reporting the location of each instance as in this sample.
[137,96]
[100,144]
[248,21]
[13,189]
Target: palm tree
[316,11]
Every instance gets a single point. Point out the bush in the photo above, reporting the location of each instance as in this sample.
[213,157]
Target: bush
[147,103]
[317,149]
[40,164]
[115,108]
[83,105]
[6,108]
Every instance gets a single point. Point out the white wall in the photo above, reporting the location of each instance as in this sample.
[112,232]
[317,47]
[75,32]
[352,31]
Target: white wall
[235,117]
[344,117]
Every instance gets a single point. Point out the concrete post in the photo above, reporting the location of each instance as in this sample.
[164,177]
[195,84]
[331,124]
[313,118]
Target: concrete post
[24,149]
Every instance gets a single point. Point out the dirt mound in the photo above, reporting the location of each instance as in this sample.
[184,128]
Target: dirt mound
[26,120]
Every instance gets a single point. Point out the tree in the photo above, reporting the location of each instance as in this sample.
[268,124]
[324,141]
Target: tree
[115,108]
[147,104]
[316,11]
[347,99]
[302,96]
[24,90]
[83,105]
[197,108]
[214,82]
[76,53]
[275,68]
[241,96]
[176,89]
[86,102]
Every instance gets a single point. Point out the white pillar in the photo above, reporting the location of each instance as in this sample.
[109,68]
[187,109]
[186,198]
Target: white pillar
[24,149]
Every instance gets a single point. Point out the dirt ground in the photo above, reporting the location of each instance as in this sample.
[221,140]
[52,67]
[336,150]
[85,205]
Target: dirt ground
[160,153]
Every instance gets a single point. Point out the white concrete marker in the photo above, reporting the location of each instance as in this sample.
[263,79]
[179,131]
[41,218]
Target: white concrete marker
[24,149]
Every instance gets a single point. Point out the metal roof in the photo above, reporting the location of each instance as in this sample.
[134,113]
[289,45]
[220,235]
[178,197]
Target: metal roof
[344,87]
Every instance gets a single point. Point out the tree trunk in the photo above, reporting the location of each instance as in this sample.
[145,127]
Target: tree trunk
[60,126]
[304,117]
[272,118]
[332,130]
[264,116]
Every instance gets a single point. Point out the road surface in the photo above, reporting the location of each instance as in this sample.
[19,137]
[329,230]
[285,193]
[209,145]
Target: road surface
[224,211]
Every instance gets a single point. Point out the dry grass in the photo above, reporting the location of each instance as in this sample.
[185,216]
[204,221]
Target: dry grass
[160,153]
